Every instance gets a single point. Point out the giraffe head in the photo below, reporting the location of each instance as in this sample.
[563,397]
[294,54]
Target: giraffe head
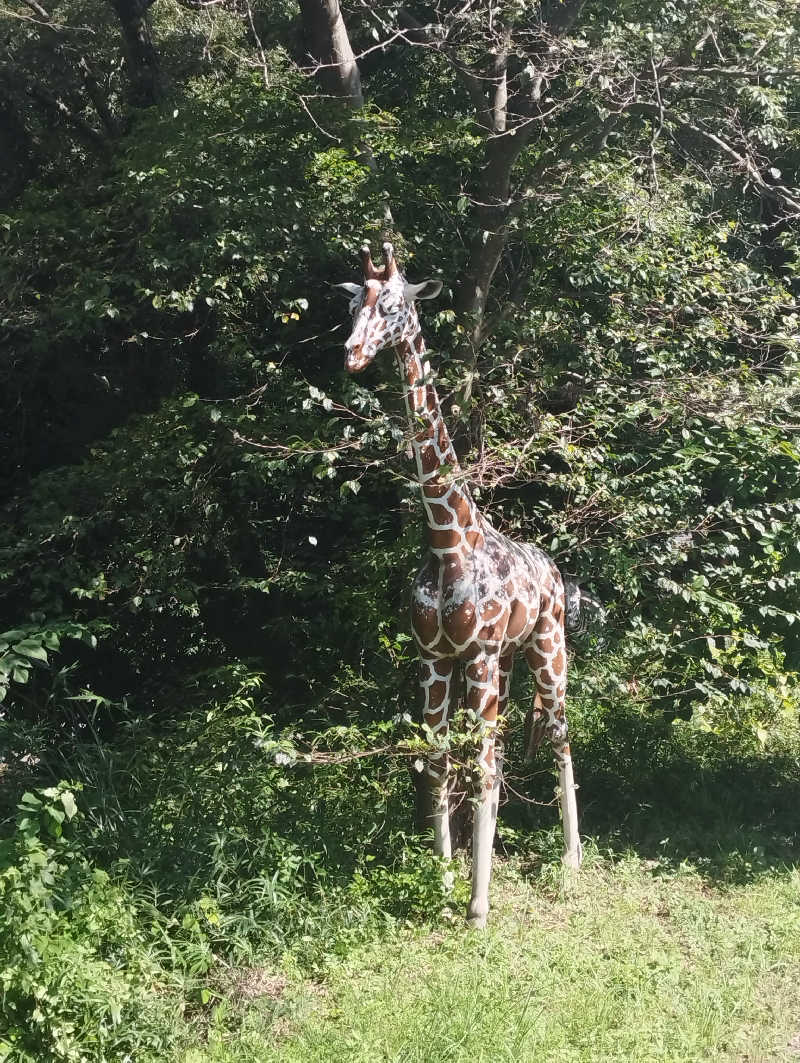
[382,308]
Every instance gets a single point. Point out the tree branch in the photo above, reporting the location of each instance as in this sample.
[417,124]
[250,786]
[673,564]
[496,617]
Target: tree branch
[731,72]
[780,193]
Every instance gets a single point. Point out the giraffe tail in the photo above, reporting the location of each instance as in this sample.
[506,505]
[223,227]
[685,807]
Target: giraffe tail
[535,732]
[577,601]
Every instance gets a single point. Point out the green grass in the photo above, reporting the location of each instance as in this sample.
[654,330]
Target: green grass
[630,960]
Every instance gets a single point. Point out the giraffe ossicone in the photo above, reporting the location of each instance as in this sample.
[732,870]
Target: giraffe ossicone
[479,598]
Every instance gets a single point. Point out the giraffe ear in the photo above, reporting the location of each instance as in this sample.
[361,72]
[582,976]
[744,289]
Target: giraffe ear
[425,290]
[349,288]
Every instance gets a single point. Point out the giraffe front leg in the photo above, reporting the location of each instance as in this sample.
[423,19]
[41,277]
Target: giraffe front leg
[482,694]
[436,680]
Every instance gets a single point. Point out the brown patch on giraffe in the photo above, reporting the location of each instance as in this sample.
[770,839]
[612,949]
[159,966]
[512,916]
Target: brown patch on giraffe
[544,645]
[443,668]
[436,694]
[441,539]
[559,663]
[463,514]
[517,621]
[459,624]
[435,490]
[439,514]
[433,719]
[477,671]
[430,462]
[490,610]
[446,445]
[483,702]
[474,539]
[430,400]
[491,633]
[536,660]
[424,623]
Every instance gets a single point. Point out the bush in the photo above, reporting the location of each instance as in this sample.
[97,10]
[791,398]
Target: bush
[79,976]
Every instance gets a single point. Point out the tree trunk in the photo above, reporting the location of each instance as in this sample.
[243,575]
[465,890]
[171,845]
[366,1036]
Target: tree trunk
[336,67]
[144,71]
[492,196]
[329,47]
[492,206]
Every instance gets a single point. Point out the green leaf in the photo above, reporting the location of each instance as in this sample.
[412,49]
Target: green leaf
[68,801]
[31,648]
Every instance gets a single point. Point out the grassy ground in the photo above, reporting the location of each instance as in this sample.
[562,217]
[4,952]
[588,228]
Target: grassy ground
[630,960]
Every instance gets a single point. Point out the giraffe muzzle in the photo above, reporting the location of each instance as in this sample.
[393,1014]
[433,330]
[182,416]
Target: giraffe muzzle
[356,358]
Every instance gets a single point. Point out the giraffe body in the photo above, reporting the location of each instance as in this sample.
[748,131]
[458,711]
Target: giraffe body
[479,598]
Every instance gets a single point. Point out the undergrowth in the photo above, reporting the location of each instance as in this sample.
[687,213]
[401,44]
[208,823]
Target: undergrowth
[197,855]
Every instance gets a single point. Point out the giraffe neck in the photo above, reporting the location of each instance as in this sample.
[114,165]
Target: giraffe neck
[453,520]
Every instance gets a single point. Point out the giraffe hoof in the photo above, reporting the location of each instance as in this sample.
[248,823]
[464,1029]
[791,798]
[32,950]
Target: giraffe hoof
[476,915]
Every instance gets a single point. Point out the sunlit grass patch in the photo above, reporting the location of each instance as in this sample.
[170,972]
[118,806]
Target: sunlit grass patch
[625,963]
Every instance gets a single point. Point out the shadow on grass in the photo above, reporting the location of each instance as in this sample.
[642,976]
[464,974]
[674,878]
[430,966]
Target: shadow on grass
[670,792]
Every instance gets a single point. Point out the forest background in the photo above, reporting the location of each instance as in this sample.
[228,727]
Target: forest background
[210,530]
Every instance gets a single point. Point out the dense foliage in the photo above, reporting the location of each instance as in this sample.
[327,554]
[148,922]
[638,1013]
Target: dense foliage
[209,529]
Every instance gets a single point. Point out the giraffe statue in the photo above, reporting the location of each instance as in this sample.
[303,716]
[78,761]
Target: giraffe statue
[479,597]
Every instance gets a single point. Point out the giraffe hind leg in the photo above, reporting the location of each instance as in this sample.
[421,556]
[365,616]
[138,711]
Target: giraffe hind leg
[547,660]
[573,850]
